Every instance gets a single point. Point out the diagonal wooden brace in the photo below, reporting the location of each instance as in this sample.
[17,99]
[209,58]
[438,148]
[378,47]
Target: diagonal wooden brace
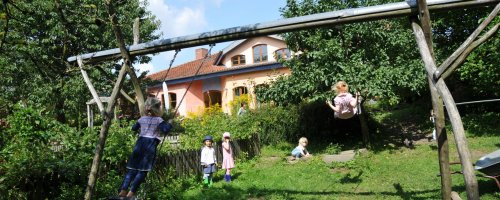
[446,64]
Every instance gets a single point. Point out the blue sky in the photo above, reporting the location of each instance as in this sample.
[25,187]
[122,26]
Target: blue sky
[186,17]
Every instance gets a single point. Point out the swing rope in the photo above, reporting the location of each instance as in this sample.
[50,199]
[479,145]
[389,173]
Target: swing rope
[169,67]
[183,96]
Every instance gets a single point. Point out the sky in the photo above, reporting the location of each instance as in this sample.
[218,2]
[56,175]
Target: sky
[187,17]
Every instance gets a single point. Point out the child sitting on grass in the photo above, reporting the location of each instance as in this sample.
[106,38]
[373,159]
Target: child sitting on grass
[300,151]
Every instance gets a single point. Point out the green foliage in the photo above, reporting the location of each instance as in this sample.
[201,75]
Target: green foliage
[277,123]
[31,159]
[480,69]
[482,124]
[274,124]
[376,58]
[43,34]
[236,103]
[478,76]
[211,122]
[333,148]
[344,165]
[43,158]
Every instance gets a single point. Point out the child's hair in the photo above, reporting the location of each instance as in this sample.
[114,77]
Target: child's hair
[152,106]
[341,86]
[302,140]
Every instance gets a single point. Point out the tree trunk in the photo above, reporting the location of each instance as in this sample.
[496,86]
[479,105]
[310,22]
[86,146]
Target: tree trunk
[364,127]
[107,117]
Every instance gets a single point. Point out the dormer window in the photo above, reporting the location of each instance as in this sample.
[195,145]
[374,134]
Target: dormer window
[282,54]
[260,53]
[238,60]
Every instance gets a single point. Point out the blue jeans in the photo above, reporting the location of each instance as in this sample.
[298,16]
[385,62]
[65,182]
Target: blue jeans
[134,176]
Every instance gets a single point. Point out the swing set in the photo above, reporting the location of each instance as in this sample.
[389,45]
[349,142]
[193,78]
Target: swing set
[419,12]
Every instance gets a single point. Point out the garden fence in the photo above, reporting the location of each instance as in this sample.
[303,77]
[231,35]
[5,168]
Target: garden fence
[187,162]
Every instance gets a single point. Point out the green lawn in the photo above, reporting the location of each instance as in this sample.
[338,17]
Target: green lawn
[388,173]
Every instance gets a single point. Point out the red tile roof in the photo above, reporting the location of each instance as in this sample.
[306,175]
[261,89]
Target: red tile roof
[189,69]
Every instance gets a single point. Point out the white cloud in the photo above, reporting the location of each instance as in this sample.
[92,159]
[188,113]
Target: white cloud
[176,21]
[179,21]
[144,67]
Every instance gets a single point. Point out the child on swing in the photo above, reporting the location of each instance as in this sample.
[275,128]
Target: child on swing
[345,103]
[142,159]
[227,155]
[208,160]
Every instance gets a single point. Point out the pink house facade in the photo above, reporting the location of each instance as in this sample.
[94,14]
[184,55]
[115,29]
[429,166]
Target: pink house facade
[224,75]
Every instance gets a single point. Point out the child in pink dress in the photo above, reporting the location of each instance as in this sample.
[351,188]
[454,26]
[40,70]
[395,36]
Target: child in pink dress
[344,103]
[227,155]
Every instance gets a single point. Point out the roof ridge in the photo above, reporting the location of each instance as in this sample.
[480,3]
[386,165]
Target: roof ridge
[189,62]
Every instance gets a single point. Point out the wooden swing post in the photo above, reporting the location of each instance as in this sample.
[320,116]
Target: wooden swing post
[112,100]
[456,122]
[437,107]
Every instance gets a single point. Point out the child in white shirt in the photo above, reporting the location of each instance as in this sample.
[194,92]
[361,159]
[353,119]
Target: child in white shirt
[208,160]
[300,150]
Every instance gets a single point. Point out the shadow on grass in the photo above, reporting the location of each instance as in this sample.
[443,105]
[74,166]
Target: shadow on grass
[229,192]
[487,186]
[352,179]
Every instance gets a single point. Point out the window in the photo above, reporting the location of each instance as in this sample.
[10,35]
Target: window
[260,53]
[173,100]
[240,90]
[282,53]
[238,60]
[212,97]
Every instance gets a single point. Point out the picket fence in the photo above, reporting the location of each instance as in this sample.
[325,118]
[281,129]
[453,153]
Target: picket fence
[187,162]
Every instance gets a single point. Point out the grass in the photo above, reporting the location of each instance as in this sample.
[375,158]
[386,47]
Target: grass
[388,172]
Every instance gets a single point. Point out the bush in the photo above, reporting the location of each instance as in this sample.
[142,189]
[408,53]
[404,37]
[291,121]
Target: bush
[30,159]
[333,149]
[482,124]
[277,124]
[43,158]
[274,124]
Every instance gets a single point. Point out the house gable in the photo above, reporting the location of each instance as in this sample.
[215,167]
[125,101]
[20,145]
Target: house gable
[245,47]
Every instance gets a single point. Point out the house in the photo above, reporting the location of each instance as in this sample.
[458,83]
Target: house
[224,75]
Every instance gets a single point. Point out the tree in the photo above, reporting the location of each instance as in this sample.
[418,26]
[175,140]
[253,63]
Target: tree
[38,36]
[378,58]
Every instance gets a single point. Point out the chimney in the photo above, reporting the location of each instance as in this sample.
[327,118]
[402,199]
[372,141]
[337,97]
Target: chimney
[200,53]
